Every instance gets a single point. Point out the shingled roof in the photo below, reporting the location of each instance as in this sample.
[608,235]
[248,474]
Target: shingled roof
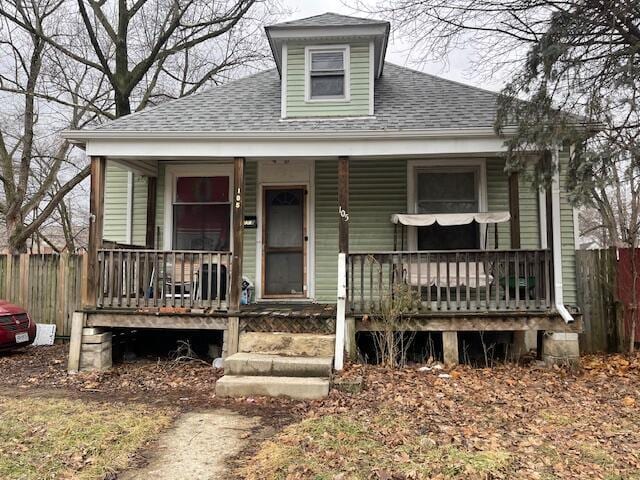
[405,99]
[328,19]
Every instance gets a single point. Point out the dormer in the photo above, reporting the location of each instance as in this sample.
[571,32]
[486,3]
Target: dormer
[328,64]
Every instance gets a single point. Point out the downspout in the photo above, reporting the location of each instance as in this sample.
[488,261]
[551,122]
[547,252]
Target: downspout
[557,240]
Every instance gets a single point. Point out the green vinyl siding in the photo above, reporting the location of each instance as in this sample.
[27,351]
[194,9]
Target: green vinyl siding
[249,253]
[116,195]
[160,186]
[139,211]
[529,213]
[326,193]
[358,104]
[567,235]
[497,200]
[377,189]
[115,204]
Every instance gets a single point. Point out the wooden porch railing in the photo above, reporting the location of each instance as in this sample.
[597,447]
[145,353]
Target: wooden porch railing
[134,278]
[450,281]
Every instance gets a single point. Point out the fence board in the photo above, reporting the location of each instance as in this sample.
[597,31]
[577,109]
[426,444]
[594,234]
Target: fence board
[49,286]
[596,272]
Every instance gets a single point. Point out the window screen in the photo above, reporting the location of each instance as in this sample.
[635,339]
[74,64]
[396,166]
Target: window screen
[448,192]
[201,213]
[327,77]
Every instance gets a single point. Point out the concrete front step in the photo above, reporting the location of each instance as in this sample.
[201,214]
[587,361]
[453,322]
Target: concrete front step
[259,364]
[287,344]
[259,386]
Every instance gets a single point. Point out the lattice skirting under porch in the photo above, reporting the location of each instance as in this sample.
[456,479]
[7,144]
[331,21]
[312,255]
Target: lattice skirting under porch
[288,324]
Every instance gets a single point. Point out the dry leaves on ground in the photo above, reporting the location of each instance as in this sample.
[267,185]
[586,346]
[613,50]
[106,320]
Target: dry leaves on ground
[505,422]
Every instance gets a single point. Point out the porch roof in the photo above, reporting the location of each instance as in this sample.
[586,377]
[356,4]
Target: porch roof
[405,100]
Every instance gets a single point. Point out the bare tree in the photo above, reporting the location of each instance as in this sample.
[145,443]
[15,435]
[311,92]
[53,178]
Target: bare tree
[66,65]
[581,56]
[31,170]
[140,44]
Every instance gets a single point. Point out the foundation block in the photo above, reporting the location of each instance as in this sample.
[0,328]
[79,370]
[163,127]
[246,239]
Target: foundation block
[95,350]
[561,348]
[450,348]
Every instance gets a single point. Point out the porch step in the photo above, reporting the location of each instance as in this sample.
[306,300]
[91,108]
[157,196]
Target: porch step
[298,388]
[287,344]
[260,364]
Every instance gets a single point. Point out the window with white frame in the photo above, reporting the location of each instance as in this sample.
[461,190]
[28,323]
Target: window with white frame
[454,190]
[327,74]
[201,213]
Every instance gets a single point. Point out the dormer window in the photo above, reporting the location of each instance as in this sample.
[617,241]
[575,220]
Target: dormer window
[327,73]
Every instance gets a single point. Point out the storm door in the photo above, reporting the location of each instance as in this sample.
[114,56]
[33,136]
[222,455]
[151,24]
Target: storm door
[284,242]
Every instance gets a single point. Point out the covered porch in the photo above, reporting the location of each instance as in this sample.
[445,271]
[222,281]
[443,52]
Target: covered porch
[346,259]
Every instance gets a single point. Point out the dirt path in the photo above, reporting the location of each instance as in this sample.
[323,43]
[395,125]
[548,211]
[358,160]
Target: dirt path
[198,447]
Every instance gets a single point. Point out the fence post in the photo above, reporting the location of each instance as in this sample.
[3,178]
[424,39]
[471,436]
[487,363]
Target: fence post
[341,311]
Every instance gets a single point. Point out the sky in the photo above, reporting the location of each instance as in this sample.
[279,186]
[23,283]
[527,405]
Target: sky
[455,68]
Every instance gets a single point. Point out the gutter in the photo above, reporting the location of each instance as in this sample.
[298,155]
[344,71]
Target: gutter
[277,135]
[557,240]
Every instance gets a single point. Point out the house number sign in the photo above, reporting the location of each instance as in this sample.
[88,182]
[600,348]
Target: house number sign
[238,198]
[343,213]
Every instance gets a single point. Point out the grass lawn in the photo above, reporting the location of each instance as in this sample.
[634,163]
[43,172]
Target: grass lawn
[50,438]
[503,423]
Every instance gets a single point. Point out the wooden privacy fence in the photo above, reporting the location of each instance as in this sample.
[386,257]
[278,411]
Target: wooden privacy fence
[603,285]
[49,286]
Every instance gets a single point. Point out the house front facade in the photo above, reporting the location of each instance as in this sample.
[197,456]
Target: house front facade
[302,196]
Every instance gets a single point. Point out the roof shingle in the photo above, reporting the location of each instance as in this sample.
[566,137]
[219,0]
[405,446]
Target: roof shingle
[404,100]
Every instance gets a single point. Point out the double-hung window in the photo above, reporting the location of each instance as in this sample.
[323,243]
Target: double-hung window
[454,190]
[201,213]
[327,74]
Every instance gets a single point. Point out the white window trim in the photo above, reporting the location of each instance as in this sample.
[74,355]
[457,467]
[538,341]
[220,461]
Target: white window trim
[414,166]
[346,52]
[172,172]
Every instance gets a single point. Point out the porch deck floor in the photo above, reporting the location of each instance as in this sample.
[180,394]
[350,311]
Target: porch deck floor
[291,310]
[259,317]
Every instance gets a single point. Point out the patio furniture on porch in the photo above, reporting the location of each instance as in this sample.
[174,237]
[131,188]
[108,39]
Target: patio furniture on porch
[476,279]
[436,273]
[155,278]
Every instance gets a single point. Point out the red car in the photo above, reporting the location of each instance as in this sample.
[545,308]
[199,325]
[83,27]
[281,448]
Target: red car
[16,327]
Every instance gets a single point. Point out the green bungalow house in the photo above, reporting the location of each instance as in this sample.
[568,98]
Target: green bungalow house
[288,207]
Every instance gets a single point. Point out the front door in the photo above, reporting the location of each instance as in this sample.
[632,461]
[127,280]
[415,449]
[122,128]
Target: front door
[284,242]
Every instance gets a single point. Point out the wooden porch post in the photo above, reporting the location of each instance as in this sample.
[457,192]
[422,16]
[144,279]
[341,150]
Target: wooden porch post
[238,234]
[236,258]
[150,238]
[343,204]
[514,209]
[96,214]
[343,250]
